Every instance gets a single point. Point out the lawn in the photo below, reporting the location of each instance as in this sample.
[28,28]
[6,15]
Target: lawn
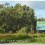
[22,38]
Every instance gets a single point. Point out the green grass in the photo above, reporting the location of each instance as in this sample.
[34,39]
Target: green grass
[22,38]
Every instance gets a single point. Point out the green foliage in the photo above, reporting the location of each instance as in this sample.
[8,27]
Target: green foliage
[22,30]
[25,38]
[41,19]
[14,18]
[1,6]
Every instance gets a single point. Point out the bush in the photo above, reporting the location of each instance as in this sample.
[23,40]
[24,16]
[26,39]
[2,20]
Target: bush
[22,30]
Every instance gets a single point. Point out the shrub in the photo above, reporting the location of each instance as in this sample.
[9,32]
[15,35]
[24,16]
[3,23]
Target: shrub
[22,30]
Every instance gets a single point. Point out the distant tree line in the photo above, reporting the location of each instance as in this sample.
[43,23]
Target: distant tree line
[41,19]
[13,18]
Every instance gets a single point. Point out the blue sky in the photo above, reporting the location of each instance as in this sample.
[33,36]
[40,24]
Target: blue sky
[38,6]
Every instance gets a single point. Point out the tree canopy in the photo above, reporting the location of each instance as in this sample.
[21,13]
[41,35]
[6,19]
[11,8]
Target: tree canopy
[13,18]
[41,19]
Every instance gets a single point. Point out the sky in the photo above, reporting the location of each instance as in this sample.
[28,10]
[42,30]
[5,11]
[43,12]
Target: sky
[38,6]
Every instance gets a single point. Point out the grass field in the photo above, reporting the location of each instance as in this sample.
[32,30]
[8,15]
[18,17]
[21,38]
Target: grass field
[22,38]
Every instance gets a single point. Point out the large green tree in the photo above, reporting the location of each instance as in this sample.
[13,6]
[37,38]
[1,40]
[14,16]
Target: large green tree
[13,18]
